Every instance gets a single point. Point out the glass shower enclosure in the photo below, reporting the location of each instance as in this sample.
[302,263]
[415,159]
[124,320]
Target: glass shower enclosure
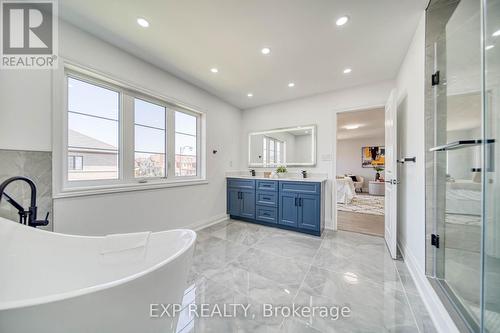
[462,183]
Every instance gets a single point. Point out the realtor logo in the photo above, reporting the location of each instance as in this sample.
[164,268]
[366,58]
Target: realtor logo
[29,34]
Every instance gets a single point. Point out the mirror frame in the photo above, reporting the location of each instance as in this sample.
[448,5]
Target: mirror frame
[312,128]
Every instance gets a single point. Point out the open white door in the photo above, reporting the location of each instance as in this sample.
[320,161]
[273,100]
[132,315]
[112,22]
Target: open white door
[391,174]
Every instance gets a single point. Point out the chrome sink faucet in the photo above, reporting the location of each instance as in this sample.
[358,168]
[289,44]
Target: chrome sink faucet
[25,216]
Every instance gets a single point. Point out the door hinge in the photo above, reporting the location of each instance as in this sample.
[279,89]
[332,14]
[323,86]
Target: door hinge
[435,240]
[435,78]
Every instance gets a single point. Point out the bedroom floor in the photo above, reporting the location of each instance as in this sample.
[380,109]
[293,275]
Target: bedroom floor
[239,262]
[363,223]
[364,214]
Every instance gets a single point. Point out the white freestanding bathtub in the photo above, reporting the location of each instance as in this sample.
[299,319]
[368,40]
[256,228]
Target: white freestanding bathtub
[52,282]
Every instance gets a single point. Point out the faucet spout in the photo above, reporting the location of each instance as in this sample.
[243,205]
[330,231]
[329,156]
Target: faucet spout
[32,210]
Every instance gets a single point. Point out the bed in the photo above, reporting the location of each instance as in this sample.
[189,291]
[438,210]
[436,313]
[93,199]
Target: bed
[345,190]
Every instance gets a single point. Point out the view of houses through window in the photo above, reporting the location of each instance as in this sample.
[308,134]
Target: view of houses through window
[185,144]
[93,131]
[94,135]
[149,159]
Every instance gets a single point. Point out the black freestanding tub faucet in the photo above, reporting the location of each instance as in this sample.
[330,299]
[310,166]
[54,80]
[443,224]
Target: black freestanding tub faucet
[25,216]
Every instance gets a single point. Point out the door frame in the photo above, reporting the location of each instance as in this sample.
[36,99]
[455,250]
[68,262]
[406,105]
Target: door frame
[333,170]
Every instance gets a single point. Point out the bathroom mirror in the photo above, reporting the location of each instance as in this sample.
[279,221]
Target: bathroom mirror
[293,146]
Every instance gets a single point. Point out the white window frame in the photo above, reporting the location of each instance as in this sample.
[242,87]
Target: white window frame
[198,143]
[126,180]
[267,157]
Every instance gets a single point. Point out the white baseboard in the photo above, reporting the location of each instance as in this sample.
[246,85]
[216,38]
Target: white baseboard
[208,222]
[440,317]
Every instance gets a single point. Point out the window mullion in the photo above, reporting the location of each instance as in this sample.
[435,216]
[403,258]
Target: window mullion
[127,138]
[170,144]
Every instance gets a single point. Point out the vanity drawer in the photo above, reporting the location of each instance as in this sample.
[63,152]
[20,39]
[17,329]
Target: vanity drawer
[267,198]
[241,183]
[266,214]
[267,185]
[300,187]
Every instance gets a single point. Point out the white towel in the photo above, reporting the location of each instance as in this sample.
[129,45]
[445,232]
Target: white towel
[123,242]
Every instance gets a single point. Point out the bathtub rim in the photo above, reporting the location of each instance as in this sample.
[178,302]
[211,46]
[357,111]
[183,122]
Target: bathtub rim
[17,304]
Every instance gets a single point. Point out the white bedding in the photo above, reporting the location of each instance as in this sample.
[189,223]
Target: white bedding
[345,190]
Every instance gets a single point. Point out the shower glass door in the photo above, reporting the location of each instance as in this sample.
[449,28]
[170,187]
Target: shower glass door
[490,314]
[461,108]
[463,187]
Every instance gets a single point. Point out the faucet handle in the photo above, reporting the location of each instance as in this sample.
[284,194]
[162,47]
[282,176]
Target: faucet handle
[44,222]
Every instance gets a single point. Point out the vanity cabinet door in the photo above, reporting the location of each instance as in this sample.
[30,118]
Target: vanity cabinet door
[288,209]
[233,202]
[247,199]
[309,211]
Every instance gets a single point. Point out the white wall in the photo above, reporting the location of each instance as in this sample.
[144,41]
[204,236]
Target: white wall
[319,110]
[410,100]
[411,196]
[349,157]
[26,99]
[25,110]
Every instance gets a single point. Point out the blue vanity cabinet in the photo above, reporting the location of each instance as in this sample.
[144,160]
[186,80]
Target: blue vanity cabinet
[309,212]
[233,202]
[289,210]
[292,205]
[241,198]
[300,206]
[267,201]
[247,203]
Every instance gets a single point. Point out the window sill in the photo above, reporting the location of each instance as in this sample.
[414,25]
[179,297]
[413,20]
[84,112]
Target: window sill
[97,190]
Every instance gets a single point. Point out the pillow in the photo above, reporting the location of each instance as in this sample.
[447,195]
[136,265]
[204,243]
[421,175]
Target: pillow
[354,179]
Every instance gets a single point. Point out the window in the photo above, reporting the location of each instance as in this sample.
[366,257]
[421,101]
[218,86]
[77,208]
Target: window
[264,151]
[149,128]
[93,130]
[272,151]
[272,156]
[117,136]
[278,152]
[185,144]
[75,162]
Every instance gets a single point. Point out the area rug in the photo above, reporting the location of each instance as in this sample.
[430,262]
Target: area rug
[364,204]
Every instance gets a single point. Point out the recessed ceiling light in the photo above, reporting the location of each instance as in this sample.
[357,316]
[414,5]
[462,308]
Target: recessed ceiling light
[214,70]
[342,20]
[143,22]
[496,33]
[265,50]
[291,85]
[489,47]
[347,70]
[250,95]
[351,127]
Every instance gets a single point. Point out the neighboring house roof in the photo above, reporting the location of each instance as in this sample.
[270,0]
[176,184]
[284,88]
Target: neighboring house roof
[77,139]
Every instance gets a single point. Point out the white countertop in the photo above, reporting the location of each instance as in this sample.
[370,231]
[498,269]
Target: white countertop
[291,178]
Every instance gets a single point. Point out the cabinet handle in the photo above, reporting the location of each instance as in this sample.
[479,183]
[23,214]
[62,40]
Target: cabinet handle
[239,195]
[300,202]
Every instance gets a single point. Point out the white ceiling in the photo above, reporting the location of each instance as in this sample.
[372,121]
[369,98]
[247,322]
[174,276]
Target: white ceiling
[188,37]
[371,124]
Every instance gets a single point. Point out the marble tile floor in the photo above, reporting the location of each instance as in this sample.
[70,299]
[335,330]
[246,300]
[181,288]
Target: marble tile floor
[242,263]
